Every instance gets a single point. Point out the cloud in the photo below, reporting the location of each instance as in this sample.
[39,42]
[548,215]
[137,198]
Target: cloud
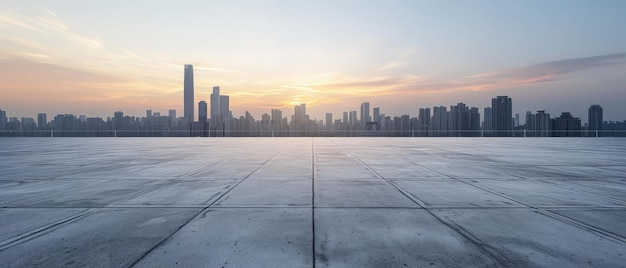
[410,84]
[532,74]
[399,61]
[22,73]
[548,71]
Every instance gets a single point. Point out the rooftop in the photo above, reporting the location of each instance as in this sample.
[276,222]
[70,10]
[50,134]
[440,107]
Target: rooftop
[305,202]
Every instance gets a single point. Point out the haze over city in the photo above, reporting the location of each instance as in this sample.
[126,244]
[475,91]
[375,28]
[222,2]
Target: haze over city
[84,58]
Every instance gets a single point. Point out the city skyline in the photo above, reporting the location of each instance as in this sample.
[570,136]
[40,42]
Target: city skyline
[69,58]
[496,120]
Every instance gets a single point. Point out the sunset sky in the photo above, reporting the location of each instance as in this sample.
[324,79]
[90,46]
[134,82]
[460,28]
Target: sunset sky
[97,57]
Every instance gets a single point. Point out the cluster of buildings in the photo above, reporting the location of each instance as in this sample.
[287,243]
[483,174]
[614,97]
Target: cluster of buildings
[215,119]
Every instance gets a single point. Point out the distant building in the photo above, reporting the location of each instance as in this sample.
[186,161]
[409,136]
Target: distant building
[502,109]
[329,121]
[220,113]
[424,122]
[440,121]
[202,111]
[595,119]
[352,118]
[538,125]
[300,125]
[365,113]
[188,113]
[202,118]
[463,121]
[566,126]
[376,115]
[3,120]
[487,122]
[172,120]
[42,120]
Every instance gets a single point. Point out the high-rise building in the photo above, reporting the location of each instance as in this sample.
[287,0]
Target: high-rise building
[172,118]
[148,114]
[424,122]
[542,124]
[202,111]
[202,118]
[595,119]
[352,120]
[566,126]
[188,113]
[376,115]
[3,120]
[300,122]
[225,111]
[487,122]
[215,107]
[42,120]
[365,113]
[502,110]
[276,119]
[458,116]
[440,121]
[220,111]
[345,118]
[329,121]
[463,121]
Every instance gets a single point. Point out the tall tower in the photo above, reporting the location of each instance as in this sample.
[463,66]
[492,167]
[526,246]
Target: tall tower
[3,119]
[365,113]
[42,120]
[188,91]
[376,115]
[502,110]
[595,118]
[202,111]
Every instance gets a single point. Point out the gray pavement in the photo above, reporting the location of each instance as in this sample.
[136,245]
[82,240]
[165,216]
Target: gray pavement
[312,202]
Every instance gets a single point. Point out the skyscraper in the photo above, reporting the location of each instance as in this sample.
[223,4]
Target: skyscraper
[300,121]
[172,118]
[216,120]
[365,113]
[352,118]
[440,121]
[376,115]
[3,119]
[487,122]
[595,119]
[202,118]
[424,122]
[188,113]
[42,120]
[542,124]
[220,111]
[502,114]
[329,121]
[565,126]
[202,111]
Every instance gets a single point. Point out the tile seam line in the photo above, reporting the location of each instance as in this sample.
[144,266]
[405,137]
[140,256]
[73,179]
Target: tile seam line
[25,237]
[203,210]
[483,247]
[314,257]
[543,210]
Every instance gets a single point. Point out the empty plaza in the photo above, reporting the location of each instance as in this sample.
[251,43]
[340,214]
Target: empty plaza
[312,202]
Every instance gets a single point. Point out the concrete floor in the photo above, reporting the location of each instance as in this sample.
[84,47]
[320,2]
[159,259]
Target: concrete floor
[306,202]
